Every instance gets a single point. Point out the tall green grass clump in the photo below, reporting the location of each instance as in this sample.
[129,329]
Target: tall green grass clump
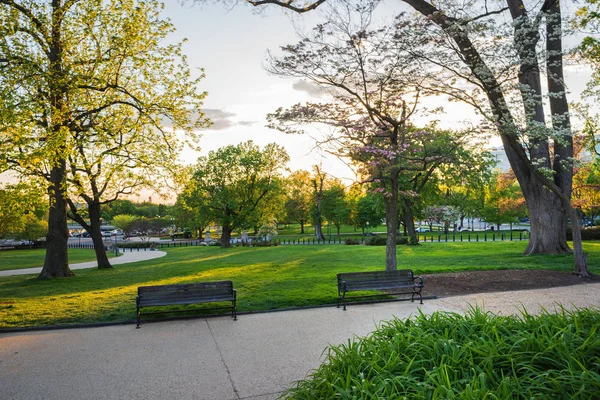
[477,356]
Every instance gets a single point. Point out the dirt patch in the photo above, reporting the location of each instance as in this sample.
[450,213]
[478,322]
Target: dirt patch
[459,283]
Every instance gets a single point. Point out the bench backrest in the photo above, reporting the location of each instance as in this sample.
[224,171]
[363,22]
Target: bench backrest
[375,279]
[181,291]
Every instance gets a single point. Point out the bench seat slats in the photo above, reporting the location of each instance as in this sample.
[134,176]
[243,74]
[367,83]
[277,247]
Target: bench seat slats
[183,294]
[379,280]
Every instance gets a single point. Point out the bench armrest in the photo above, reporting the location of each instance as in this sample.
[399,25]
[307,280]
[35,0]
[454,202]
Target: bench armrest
[420,280]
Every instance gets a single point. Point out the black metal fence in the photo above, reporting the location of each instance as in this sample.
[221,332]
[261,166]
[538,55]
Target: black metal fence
[142,246]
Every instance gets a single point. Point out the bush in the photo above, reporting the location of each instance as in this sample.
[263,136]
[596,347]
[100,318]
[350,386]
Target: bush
[401,240]
[382,240]
[135,245]
[476,356]
[413,240]
[586,234]
[376,241]
[182,235]
[351,241]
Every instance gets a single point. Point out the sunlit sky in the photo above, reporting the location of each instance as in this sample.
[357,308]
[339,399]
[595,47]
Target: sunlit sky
[231,45]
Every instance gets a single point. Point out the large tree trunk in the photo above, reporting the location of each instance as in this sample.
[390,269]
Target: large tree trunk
[96,233]
[302,227]
[226,236]
[56,264]
[547,222]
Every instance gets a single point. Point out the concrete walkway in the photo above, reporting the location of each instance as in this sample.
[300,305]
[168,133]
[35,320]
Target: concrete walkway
[255,358]
[126,257]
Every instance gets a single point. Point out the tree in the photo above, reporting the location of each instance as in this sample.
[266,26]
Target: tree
[33,228]
[86,86]
[443,214]
[366,208]
[318,183]
[17,203]
[335,206]
[125,222]
[236,181]
[504,201]
[371,80]
[461,42]
[299,198]
[191,210]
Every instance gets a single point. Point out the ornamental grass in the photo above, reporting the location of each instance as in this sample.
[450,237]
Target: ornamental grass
[474,356]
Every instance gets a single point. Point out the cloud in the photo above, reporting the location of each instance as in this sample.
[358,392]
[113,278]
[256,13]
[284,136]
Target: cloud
[309,87]
[222,119]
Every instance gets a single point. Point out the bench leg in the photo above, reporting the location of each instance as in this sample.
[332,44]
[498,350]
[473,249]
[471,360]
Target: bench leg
[138,319]
[233,311]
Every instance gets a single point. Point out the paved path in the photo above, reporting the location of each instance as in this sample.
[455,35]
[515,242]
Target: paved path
[126,257]
[255,358]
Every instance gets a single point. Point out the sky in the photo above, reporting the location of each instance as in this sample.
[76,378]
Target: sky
[231,46]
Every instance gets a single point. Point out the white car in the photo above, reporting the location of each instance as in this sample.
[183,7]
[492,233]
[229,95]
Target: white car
[421,229]
[106,233]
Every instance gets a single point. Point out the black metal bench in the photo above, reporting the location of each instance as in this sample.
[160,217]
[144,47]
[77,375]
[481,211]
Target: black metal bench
[190,293]
[402,280]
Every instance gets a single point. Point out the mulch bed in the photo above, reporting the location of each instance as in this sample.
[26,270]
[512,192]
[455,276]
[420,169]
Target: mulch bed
[459,283]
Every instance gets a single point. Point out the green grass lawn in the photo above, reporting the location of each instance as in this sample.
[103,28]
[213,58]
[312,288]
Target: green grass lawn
[19,259]
[265,277]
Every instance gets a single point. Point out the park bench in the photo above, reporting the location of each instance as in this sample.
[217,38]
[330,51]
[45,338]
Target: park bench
[185,294]
[393,281]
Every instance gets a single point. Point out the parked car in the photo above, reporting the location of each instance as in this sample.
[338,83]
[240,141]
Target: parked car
[106,233]
[117,232]
[422,229]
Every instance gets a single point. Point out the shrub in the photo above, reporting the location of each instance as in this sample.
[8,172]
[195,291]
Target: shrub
[376,241]
[351,241]
[480,355]
[586,234]
[401,240]
[135,245]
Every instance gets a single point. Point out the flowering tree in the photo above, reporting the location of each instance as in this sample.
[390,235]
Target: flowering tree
[371,78]
[500,67]
[443,214]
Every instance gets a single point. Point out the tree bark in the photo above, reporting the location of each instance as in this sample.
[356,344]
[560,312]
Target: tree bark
[409,220]
[391,217]
[97,239]
[226,236]
[302,227]
[56,263]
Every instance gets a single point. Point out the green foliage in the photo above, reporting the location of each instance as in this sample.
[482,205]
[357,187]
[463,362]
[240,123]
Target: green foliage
[376,241]
[265,278]
[351,241]
[33,228]
[235,185]
[299,197]
[476,356]
[402,240]
[20,204]
[124,222]
[413,240]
